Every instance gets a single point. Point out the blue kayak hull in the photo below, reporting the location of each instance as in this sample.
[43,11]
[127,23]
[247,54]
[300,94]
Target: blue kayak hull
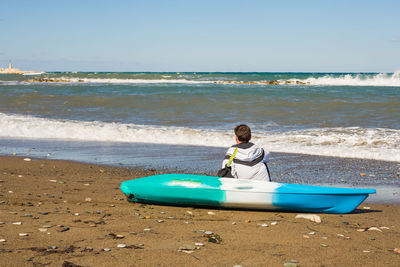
[201,190]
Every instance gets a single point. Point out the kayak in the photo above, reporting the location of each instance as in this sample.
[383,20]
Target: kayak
[210,191]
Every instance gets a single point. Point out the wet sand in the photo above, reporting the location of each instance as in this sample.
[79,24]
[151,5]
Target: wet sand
[70,212]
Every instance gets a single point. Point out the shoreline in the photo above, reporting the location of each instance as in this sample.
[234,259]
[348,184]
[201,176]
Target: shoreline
[71,212]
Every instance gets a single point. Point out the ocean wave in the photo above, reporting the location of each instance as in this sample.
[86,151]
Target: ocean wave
[381,79]
[354,142]
[114,81]
[263,79]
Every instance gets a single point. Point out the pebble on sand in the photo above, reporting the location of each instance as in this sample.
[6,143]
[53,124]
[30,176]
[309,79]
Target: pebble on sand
[396,250]
[291,263]
[187,249]
[23,234]
[121,245]
[2,240]
[374,229]
[27,159]
[311,217]
[106,249]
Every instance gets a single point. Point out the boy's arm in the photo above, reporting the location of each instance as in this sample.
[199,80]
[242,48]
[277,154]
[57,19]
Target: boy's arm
[227,156]
[266,156]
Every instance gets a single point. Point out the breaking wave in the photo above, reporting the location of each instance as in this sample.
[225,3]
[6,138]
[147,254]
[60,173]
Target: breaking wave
[355,142]
[381,79]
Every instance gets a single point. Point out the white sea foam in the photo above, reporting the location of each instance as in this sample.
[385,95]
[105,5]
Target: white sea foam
[380,79]
[380,144]
[133,81]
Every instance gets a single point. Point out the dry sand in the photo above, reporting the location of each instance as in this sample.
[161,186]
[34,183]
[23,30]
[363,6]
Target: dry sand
[71,212]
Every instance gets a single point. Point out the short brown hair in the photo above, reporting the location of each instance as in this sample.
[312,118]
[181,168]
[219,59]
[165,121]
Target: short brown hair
[243,133]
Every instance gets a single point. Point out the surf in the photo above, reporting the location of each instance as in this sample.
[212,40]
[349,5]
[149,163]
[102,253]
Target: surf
[352,142]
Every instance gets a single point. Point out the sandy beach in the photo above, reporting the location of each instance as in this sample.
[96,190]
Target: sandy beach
[61,213]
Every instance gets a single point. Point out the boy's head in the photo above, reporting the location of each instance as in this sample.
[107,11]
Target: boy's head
[243,133]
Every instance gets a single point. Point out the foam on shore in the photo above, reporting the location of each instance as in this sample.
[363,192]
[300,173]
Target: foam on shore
[355,142]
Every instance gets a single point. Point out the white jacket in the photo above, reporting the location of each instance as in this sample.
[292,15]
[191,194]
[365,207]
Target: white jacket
[249,162]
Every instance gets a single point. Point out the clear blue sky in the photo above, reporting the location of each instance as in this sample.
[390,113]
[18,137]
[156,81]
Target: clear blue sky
[203,35]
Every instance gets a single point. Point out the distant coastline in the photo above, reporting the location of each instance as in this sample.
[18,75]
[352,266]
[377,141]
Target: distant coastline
[11,70]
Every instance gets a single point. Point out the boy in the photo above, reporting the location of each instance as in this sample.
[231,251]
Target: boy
[250,160]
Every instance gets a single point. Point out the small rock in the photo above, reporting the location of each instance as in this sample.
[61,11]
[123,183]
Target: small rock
[27,159]
[53,181]
[88,199]
[363,174]
[147,230]
[214,238]
[396,250]
[324,237]
[199,244]
[17,223]
[323,245]
[311,217]
[366,251]
[263,225]
[187,247]
[43,229]
[53,247]
[374,229]
[121,245]
[290,264]
[367,208]
[273,223]
[186,251]
[106,249]
[311,233]
[208,232]
[2,240]
[384,228]
[64,229]
[247,221]
[189,212]
[23,234]
[306,236]
[160,221]
[211,213]
[234,223]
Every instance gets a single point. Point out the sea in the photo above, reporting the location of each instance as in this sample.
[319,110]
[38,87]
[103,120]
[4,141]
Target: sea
[184,120]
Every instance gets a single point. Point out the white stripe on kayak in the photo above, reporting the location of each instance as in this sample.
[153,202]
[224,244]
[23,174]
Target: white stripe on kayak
[240,193]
